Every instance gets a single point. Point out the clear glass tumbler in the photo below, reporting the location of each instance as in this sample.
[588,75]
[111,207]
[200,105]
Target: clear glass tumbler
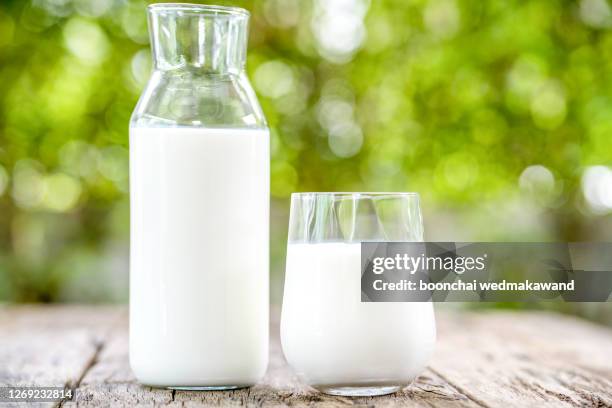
[333,341]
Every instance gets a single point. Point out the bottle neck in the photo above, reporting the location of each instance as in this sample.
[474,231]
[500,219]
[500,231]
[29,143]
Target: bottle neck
[200,39]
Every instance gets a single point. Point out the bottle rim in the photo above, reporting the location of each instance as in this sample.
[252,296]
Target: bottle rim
[201,9]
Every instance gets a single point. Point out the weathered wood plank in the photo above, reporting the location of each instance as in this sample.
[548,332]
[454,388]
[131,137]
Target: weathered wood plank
[518,360]
[50,346]
[564,333]
[482,360]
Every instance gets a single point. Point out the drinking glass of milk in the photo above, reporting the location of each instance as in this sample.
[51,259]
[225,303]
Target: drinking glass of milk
[333,341]
[199,180]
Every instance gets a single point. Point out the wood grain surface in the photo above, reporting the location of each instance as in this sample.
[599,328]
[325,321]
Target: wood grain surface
[492,359]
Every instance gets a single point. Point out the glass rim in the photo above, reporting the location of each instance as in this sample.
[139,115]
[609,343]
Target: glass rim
[202,9]
[356,194]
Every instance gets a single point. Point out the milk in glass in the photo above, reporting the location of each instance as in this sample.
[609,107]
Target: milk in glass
[331,338]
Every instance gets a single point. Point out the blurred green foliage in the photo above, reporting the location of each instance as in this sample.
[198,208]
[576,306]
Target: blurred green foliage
[498,112]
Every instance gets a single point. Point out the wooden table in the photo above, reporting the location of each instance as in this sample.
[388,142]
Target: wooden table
[493,359]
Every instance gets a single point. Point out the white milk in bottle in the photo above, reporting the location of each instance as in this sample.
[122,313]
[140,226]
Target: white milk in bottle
[199,257]
[199,188]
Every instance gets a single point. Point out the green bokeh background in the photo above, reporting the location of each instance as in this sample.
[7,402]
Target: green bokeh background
[499,113]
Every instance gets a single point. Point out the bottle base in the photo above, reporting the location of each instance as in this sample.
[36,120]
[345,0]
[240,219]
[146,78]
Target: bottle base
[208,388]
[358,391]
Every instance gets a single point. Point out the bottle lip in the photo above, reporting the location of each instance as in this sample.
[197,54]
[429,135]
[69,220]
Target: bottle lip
[198,9]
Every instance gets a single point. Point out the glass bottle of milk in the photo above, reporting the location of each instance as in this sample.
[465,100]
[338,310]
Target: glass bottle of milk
[199,181]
